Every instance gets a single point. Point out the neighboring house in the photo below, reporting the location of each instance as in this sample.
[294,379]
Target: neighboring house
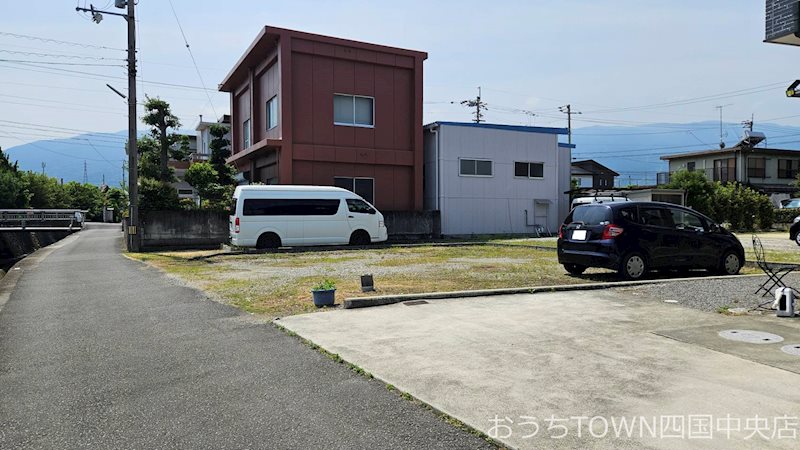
[185,190]
[591,174]
[319,110]
[204,137]
[769,170]
[492,179]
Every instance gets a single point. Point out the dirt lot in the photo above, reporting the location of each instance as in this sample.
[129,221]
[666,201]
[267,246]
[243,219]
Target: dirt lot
[279,284]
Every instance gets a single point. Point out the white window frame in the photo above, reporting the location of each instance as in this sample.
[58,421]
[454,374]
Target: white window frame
[354,185]
[529,170]
[277,113]
[246,130]
[354,124]
[476,168]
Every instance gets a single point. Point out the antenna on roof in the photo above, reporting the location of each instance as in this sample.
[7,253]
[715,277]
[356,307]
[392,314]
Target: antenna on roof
[722,134]
[477,104]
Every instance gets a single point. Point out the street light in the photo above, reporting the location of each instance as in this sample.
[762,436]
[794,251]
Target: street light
[132,233]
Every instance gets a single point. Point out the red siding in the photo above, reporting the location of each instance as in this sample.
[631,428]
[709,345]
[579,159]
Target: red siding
[305,71]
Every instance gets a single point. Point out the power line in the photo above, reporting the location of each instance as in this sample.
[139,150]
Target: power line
[57,41]
[60,55]
[191,55]
[59,63]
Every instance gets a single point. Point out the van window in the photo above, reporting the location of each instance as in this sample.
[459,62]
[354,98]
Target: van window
[590,215]
[233,206]
[290,207]
[359,206]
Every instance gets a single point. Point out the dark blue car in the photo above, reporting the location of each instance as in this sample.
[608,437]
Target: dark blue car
[635,237]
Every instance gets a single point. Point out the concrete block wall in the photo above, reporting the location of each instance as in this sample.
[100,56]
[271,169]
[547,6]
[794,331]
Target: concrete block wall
[200,229]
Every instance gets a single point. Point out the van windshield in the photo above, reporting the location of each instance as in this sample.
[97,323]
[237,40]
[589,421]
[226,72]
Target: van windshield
[590,215]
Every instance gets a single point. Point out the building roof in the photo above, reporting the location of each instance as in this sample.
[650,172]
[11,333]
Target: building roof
[593,167]
[269,37]
[493,126]
[722,151]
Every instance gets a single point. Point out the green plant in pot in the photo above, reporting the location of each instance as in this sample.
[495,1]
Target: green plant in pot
[324,293]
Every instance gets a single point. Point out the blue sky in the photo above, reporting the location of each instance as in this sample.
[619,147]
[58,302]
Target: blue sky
[607,58]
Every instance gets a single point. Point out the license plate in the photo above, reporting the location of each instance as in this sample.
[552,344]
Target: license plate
[579,235]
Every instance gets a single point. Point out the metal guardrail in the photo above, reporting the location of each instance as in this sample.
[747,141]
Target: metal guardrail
[42,218]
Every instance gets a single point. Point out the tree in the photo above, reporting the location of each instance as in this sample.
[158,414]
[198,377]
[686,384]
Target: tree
[116,198]
[204,178]
[699,191]
[44,191]
[161,120]
[12,189]
[87,197]
[220,151]
[157,195]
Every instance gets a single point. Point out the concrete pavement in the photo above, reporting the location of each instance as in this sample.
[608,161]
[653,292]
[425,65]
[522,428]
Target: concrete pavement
[551,363]
[103,352]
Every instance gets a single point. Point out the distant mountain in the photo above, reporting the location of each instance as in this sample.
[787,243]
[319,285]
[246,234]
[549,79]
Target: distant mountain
[103,153]
[633,151]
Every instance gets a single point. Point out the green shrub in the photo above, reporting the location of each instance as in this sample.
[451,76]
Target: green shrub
[786,215]
[325,285]
[155,195]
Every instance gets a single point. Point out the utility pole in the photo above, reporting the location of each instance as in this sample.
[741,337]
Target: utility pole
[477,104]
[567,109]
[132,237]
[43,166]
[85,173]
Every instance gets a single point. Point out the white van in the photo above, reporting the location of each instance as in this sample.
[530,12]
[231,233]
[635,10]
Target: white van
[286,215]
[577,201]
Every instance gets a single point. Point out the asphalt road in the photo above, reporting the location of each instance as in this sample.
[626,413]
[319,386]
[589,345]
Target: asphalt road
[103,352]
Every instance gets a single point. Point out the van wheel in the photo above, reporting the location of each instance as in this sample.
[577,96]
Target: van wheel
[574,269]
[730,263]
[633,266]
[268,240]
[360,237]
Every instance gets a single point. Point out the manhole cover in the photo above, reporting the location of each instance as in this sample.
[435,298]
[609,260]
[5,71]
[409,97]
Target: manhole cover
[751,336]
[792,349]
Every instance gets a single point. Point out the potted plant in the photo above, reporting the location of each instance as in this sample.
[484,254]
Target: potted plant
[324,293]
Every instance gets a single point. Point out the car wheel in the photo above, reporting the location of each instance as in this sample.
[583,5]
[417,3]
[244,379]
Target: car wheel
[633,266]
[730,263]
[574,269]
[268,240]
[797,238]
[360,238]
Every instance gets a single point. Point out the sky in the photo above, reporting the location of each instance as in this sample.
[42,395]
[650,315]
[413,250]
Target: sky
[621,62]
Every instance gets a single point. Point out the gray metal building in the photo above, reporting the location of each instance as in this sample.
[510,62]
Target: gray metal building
[496,179]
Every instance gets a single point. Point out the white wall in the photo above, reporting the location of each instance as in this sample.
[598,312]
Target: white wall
[496,204]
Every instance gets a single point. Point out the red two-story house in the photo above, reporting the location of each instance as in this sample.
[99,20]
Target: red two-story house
[319,110]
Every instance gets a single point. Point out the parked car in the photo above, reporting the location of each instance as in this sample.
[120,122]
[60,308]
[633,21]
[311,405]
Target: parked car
[283,215]
[794,230]
[635,237]
[790,203]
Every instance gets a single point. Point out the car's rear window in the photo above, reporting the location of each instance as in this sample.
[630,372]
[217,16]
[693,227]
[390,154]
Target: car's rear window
[591,215]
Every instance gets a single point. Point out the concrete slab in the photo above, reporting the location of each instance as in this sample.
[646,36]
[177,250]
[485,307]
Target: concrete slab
[508,365]
[769,354]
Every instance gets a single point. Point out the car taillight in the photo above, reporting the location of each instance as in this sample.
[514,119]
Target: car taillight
[561,231]
[236,225]
[611,231]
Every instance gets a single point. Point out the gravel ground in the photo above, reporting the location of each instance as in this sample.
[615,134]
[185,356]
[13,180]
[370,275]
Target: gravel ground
[709,294]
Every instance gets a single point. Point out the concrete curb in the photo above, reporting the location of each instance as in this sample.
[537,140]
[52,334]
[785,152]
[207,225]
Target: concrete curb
[9,282]
[381,300]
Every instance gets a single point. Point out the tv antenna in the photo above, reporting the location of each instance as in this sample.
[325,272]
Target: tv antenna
[722,133]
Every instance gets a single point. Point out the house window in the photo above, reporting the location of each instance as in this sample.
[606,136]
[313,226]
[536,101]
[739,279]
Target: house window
[690,166]
[272,113]
[353,110]
[529,169]
[364,187]
[246,134]
[787,168]
[475,167]
[725,170]
[756,168]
